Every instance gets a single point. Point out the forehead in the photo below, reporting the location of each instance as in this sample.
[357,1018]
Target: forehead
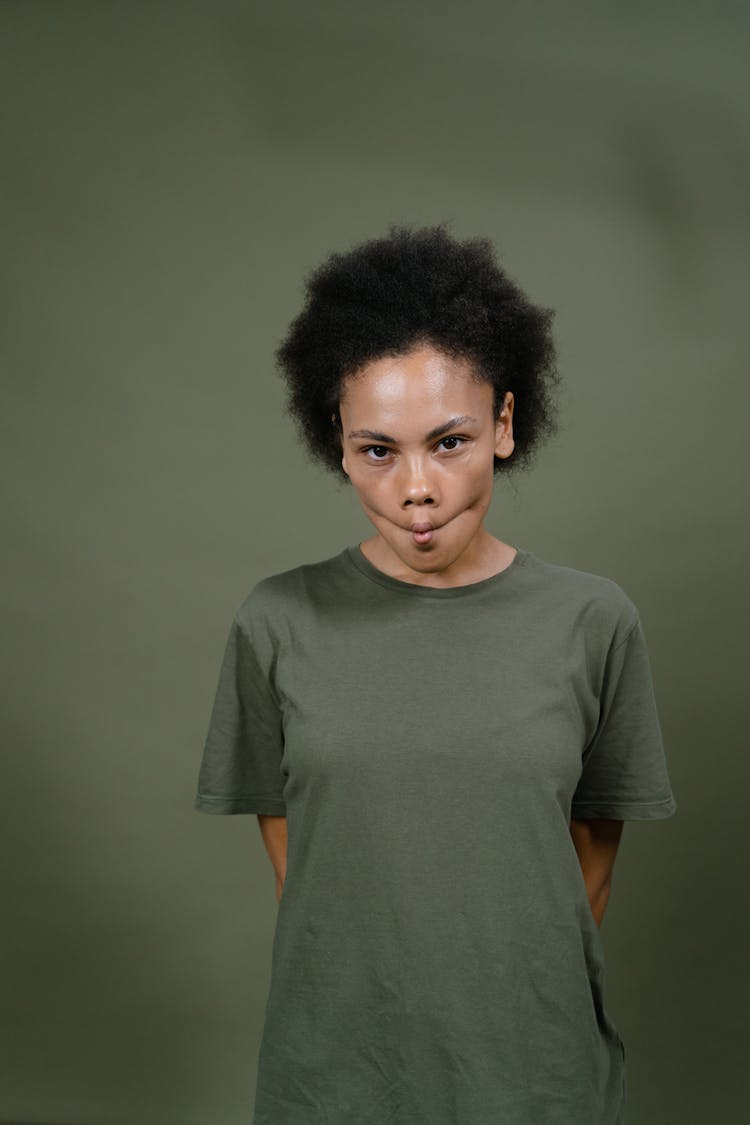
[424,381]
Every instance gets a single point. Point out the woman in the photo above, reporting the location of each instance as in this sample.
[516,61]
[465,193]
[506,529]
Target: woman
[440,733]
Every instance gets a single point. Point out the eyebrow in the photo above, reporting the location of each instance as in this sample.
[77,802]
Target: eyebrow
[451,424]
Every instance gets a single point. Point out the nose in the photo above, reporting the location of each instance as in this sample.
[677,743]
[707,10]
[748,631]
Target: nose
[417,485]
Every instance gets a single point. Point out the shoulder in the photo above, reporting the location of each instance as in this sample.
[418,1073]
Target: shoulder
[276,596]
[597,602]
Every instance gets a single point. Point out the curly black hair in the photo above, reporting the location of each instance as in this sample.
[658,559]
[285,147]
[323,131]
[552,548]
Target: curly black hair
[413,287]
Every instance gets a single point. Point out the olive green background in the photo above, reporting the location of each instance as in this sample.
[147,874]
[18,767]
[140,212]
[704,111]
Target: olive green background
[169,173]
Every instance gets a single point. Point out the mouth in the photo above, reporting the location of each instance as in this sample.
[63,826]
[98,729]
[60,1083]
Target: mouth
[422,532]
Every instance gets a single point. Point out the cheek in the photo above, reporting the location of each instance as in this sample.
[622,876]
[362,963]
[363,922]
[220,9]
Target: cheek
[477,493]
[477,480]
[372,491]
[471,488]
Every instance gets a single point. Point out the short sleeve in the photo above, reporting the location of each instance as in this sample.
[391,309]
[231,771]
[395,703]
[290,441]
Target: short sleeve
[624,772]
[240,771]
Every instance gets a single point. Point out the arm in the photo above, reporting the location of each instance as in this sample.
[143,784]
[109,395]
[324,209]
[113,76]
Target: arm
[596,842]
[273,831]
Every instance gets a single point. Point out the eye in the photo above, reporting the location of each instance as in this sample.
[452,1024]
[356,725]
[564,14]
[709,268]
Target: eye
[384,448]
[367,448]
[453,437]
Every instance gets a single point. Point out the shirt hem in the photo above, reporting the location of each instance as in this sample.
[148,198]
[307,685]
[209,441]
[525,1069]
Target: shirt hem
[227,806]
[624,810]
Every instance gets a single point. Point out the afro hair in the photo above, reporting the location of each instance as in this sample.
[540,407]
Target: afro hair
[417,287]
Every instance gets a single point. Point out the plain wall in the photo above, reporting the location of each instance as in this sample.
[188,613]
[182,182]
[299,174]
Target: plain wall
[169,173]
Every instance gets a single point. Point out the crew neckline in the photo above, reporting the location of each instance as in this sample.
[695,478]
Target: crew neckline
[364,566]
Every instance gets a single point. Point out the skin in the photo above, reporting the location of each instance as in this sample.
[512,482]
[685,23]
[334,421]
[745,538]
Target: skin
[404,476]
[448,480]
[596,843]
[274,834]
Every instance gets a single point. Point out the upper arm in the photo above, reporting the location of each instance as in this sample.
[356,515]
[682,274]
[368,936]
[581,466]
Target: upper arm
[624,769]
[596,841]
[241,766]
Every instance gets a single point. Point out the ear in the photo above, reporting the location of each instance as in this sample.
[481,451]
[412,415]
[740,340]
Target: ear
[504,443]
[341,443]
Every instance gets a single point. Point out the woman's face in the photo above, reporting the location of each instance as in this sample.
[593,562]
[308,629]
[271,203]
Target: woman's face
[419,441]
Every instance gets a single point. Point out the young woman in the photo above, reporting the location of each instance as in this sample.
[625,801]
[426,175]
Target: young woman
[440,732]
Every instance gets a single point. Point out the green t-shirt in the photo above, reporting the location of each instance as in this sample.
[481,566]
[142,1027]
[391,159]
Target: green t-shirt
[435,959]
